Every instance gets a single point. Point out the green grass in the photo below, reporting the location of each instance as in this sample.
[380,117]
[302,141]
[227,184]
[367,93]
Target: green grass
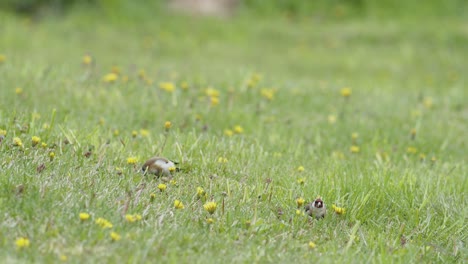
[400,206]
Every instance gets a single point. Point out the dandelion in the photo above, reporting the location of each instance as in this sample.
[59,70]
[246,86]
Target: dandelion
[338,210]
[212,92]
[222,160]
[210,207]
[19,90]
[115,236]
[172,182]
[178,204]
[132,217]
[152,197]
[44,145]
[2,58]
[17,142]
[45,126]
[167,125]
[228,132]
[51,155]
[116,132]
[332,119]
[132,160]
[87,60]
[184,85]
[84,216]
[346,92]
[201,192]
[300,202]
[433,159]
[300,169]
[103,223]
[298,212]
[134,133]
[3,132]
[354,136]
[63,258]
[301,181]
[354,149]
[22,242]
[144,132]
[142,74]
[312,245]
[35,140]
[167,86]
[428,102]
[162,187]
[412,150]
[172,169]
[422,156]
[268,94]
[210,221]
[110,77]
[338,155]
[214,101]
[238,129]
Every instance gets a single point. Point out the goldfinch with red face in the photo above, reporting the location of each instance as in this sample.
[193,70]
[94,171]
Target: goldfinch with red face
[316,208]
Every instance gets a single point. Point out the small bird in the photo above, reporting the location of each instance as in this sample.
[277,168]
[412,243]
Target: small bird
[159,166]
[316,208]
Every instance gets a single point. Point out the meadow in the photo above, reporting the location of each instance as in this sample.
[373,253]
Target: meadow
[263,114]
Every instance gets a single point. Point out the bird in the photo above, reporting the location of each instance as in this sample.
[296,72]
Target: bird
[316,208]
[159,166]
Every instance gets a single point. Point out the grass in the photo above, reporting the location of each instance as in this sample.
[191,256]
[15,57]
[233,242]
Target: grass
[403,188]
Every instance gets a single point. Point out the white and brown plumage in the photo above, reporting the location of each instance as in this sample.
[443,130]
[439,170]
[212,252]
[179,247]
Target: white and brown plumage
[159,166]
[316,208]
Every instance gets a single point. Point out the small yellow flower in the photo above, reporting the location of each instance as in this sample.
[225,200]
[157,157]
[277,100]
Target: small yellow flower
[338,210]
[214,101]
[51,155]
[413,132]
[115,236]
[222,160]
[87,60]
[346,92]
[172,182]
[172,169]
[152,196]
[301,181]
[2,58]
[132,160]
[354,136]
[22,242]
[428,102]
[433,159]
[63,258]
[132,217]
[238,130]
[200,192]
[332,119]
[142,74]
[178,204]
[116,132]
[412,150]
[210,207]
[103,223]
[84,216]
[45,126]
[338,155]
[19,90]
[228,132]
[184,85]
[167,86]
[35,140]
[211,92]
[162,187]
[422,156]
[298,212]
[110,77]
[210,221]
[134,133]
[312,245]
[17,142]
[300,169]
[268,94]
[44,145]
[144,132]
[354,149]
[167,125]
[300,202]
[3,132]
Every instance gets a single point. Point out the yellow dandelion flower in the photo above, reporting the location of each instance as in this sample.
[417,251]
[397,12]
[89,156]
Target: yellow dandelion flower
[211,92]
[152,196]
[87,60]
[148,81]
[51,155]
[184,85]
[22,242]
[300,202]
[301,181]
[238,129]
[103,223]
[412,150]
[167,124]
[222,160]
[132,217]
[162,187]
[167,86]
[354,136]
[63,258]
[172,169]
[300,169]
[338,210]
[178,204]
[346,92]
[132,160]
[422,156]
[3,132]
[428,102]
[110,77]
[413,132]
[134,133]
[84,216]
[19,90]
[45,126]
[2,58]
[354,149]
[214,101]
[17,142]
[332,119]
[210,207]
[312,245]
[228,132]
[116,132]
[144,132]
[172,182]
[298,212]
[210,220]
[142,74]
[44,145]
[115,236]
[268,94]
[200,192]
